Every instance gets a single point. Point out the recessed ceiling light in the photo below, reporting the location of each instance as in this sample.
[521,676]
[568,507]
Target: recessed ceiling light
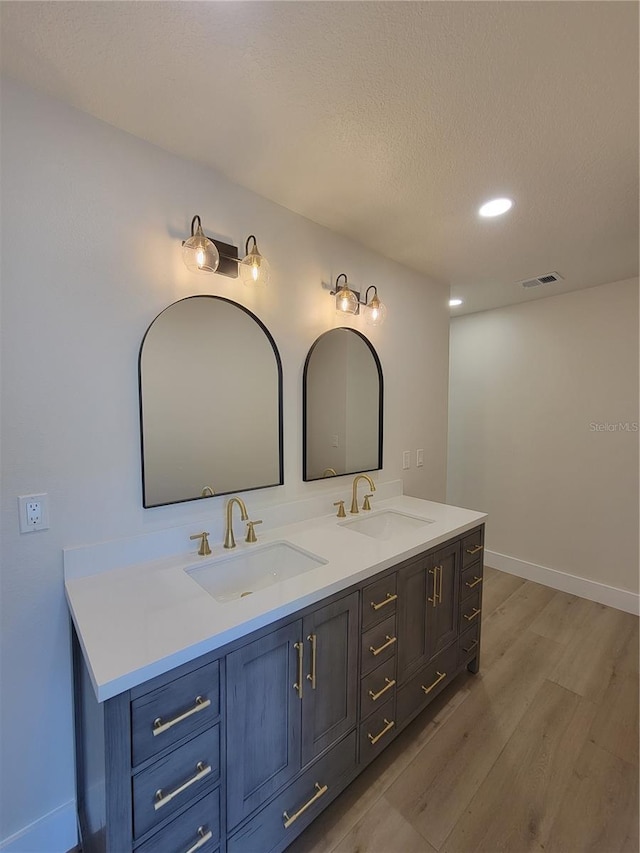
[496,207]
[454,302]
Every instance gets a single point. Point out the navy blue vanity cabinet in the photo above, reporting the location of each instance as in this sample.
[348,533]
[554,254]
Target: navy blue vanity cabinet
[291,698]
[471,583]
[240,749]
[149,762]
[428,628]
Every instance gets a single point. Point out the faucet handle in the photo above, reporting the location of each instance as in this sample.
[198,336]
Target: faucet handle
[204,550]
[366,505]
[341,512]
[251,534]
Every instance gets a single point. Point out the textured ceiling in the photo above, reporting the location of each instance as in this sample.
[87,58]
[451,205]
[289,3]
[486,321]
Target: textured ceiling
[389,122]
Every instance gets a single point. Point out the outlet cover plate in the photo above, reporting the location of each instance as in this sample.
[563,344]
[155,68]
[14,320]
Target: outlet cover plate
[26,513]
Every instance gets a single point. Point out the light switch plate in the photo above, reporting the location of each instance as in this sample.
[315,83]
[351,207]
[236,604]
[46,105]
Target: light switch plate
[419,458]
[33,511]
[406,459]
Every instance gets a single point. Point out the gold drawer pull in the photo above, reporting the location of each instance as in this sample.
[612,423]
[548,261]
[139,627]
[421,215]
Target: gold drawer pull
[162,799]
[320,790]
[375,696]
[390,597]
[390,642]
[476,581]
[159,726]
[298,685]
[205,835]
[375,738]
[475,613]
[474,550]
[440,675]
[471,647]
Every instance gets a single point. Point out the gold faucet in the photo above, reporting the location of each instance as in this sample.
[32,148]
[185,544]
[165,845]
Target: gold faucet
[229,540]
[356,480]
[207,492]
[204,550]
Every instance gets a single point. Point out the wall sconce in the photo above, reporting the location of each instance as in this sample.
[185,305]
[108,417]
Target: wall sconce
[204,254]
[348,302]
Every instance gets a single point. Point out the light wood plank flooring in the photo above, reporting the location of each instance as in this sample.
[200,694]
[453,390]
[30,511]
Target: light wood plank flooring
[538,752]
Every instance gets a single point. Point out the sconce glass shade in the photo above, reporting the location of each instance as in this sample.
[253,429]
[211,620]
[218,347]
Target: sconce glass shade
[199,253]
[375,312]
[346,300]
[253,268]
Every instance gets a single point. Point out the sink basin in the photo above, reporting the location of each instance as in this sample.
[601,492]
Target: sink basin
[238,575]
[386,524]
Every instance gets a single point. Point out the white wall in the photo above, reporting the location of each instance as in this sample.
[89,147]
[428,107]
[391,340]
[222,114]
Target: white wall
[529,385]
[92,220]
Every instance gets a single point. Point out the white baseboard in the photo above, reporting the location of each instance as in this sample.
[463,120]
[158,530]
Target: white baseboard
[621,599]
[56,832]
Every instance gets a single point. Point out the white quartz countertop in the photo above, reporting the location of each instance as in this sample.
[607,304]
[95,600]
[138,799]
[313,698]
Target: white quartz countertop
[142,620]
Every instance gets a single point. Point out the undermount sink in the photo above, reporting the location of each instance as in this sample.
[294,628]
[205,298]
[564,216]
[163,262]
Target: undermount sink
[386,524]
[238,575]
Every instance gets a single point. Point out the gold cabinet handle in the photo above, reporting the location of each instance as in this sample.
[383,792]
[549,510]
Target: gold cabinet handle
[474,550]
[436,571]
[375,696]
[314,647]
[471,647]
[320,791]
[205,835]
[375,738]
[475,582]
[440,675]
[162,799]
[159,726]
[390,642]
[434,600]
[390,597]
[475,613]
[298,685]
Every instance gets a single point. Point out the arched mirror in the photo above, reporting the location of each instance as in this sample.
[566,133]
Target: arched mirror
[210,402]
[342,403]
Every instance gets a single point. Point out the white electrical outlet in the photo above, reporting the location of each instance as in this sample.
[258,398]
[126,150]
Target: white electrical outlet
[419,458]
[33,512]
[334,441]
[406,459]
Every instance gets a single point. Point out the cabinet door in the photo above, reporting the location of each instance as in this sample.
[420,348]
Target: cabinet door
[412,618]
[443,583]
[331,675]
[263,720]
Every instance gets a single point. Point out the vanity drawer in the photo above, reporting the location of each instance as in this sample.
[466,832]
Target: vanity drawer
[379,644]
[470,580]
[200,823]
[176,779]
[283,819]
[378,601]
[177,709]
[472,547]
[470,609]
[468,644]
[377,687]
[378,731]
[422,688]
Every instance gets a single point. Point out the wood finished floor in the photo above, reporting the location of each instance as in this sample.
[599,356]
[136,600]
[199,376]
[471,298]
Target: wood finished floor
[538,752]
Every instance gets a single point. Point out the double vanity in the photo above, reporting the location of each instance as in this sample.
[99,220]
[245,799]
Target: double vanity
[224,699]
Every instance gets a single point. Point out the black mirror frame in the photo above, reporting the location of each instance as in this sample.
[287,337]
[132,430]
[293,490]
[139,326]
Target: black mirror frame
[280,405]
[304,405]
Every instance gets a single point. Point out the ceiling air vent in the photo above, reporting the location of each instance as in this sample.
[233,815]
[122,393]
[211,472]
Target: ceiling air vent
[547,278]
